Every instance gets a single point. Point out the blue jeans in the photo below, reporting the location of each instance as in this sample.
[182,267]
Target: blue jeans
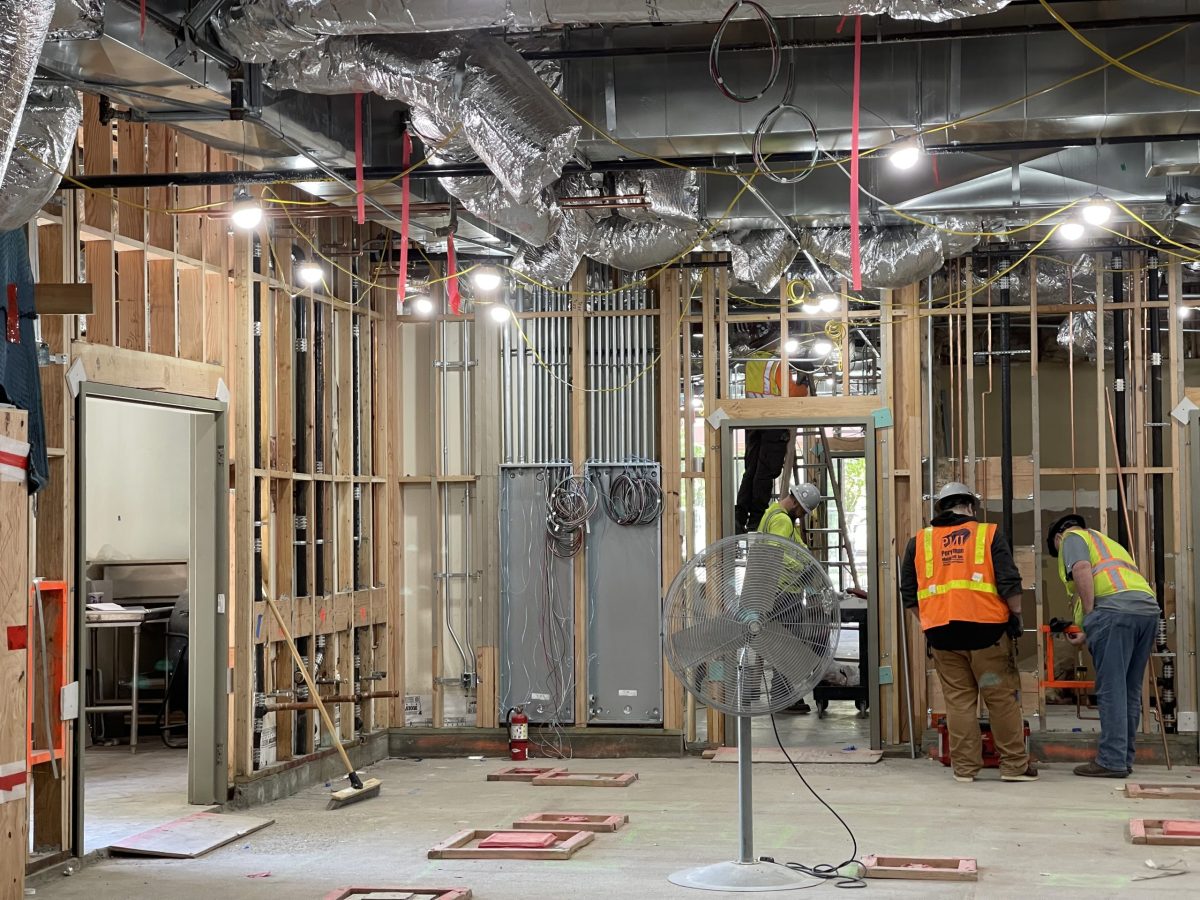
[1120,644]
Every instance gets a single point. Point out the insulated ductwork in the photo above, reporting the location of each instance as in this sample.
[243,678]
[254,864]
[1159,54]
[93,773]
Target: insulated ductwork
[474,86]
[555,262]
[1077,333]
[77,20]
[23,27]
[48,129]
[670,195]
[956,245]
[533,222]
[891,256]
[761,257]
[289,25]
[633,246]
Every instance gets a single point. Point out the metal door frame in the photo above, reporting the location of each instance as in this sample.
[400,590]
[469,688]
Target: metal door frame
[729,496]
[208,651]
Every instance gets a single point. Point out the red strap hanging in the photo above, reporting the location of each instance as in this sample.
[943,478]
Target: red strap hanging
[358,159]
[14,316]
[402,281]
[452,276]
[142,21]
[855,248]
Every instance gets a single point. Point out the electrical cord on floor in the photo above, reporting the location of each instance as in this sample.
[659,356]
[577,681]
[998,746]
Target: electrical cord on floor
[822,871]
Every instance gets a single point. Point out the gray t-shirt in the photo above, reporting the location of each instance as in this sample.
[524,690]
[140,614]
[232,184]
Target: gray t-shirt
[1075,549]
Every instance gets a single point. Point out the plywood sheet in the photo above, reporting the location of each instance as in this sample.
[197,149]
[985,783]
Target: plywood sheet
[807,755]
[190,836]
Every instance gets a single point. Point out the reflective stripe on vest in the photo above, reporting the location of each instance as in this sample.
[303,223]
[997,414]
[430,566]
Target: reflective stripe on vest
[956,578]
[1113,570]
[763,375]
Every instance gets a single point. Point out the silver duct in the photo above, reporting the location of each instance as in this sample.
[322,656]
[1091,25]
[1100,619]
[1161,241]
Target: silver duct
[671,196]
[77,20]
[48,129]
[891,256]
[533,222]
[474,83]
[555,262]
[23,27]
[290,25]
[1077,333]
[956,245]
[762,256]
[633,246]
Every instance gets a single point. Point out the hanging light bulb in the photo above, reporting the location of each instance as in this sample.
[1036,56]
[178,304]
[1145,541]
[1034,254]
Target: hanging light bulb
[823,348]
[487,278]
[309,272]
[1071,231]
[1097,211]
[422,306]
[697,403]
[829,303]
[905,155]
[1185,312]
[499,312]
[247,212]
[810,307]
[792,346]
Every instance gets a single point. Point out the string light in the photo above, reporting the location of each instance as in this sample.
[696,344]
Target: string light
[423,306]
[905,155]
[309,272]
[499,312]
[1097,211]
[247,213]
[1071,231]
[823,348]
[829,303]
[791,346]
[487,278]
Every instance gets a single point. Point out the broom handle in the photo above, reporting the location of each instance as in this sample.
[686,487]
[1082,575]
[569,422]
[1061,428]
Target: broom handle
[312,688]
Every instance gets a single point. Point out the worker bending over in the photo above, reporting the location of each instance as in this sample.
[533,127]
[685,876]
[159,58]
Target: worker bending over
[1118,613]
[959,577]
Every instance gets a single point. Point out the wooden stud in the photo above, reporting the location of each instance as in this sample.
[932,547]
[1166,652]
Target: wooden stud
[1160,791]
[594,822]
[131,300]
[921,868]
[61,299]
[563,778]
[524,774]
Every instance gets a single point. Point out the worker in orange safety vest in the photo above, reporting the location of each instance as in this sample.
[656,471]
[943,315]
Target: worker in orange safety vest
[959,578]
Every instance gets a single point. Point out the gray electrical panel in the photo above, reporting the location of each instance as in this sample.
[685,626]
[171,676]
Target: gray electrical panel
[624,608]
[537,601]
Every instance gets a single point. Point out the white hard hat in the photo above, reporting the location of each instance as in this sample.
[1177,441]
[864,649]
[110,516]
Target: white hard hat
[807,496]
[954,490]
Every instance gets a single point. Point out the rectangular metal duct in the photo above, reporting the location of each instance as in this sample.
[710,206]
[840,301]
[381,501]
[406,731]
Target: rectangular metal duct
[1174,158]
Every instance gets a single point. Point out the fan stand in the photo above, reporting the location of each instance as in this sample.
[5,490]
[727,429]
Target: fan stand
[745,874]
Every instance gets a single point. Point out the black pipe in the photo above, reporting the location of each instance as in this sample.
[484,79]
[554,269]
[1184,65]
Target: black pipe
[1006,460]
[473,170]
[1119,395]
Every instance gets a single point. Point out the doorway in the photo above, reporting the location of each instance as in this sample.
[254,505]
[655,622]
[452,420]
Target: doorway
[838,456]
[150,618]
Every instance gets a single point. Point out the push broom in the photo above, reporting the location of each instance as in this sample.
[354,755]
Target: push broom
[359,789]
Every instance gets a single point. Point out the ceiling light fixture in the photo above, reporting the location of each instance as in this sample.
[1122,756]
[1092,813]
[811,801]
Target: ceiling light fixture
[487,278]
[829,303]
[810,307]
[823,348]
[499,312]
[792,346]
[697,403]
[905,155]
[1097,211]
[1185,312]
[1071,231]
[422,306]
[247,213]
[309,272]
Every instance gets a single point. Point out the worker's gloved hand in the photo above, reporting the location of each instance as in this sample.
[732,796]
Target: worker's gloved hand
[1015,626]
[857,592]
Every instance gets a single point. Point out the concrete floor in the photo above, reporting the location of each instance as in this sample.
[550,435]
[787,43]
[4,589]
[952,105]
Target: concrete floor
[1062,837]
[126,793]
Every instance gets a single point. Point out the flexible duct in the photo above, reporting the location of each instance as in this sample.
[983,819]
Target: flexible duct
[23,27]
[555,262]
[762,256]
[533,222]
[960,244]
[891,256]
[633,246]
[77,20]
[47,131]
[289,25]
[474,83]
[670,195]
[1077,333]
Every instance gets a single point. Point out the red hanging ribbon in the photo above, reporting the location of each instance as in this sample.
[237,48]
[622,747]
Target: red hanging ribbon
[358,159]
[14,316]
[142,23]
[855,247]
[452,276]
[402,281]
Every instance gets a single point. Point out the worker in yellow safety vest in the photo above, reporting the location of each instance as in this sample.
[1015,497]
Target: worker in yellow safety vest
[1114,605]
[959,577]
[766,448]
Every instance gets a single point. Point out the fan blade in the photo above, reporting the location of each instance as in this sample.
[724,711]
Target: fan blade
[764,566]
[800,657]
[699,643]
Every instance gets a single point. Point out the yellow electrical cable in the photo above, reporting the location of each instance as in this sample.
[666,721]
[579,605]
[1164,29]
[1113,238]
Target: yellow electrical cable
[1129,212]
[1141,243]
[1112,60]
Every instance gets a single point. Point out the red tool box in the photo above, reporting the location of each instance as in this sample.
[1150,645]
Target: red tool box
[991,759]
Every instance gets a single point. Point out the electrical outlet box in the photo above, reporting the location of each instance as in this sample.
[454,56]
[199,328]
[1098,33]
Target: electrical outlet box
[885,675]
[1187,721]
[68,701]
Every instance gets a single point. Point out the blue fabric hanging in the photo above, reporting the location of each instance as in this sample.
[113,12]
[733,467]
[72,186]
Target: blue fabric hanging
[20,379]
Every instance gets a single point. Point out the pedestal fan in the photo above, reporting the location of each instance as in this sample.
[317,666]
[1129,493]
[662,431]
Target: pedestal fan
[751,625]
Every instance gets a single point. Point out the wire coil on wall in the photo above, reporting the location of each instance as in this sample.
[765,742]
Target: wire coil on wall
[773,42]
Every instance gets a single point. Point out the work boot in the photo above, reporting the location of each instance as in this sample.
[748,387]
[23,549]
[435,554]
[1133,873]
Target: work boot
[800,708]
[1030,774]
[964,779]
[1095,770]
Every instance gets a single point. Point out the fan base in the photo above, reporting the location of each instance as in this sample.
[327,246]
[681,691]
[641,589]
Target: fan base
[738,877]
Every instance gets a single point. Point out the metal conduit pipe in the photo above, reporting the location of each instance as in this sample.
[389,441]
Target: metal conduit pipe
[1157,426]
[1006,461]
[1119,395]
[930,486]
[356,697]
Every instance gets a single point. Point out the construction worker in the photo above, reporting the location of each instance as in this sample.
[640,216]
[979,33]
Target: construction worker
[1118,614]
[766,448]
[959,577]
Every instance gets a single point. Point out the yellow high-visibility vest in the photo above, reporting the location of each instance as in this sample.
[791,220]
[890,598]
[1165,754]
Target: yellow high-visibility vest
[763,375]
[1113,569]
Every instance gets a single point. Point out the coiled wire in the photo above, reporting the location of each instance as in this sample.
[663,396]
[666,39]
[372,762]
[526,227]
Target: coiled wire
[774,42]
[568,509]
[633,499]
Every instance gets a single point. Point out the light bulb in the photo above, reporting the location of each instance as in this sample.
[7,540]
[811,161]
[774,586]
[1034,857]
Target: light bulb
[422,306]
[697,403]
[1071,231]
[487,278]
[1185,312]
[499,312]
[791,346]
[246,211]
[823,348]
[905,156]
[1097,211]
[810,307]
[309,272]
[829,303]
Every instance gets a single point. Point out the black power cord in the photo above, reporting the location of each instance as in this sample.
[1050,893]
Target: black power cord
[821,871]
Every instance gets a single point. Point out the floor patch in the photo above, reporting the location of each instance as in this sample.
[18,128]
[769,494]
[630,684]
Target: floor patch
[467,845]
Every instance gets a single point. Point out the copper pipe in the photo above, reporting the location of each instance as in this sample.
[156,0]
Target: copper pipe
[336,698]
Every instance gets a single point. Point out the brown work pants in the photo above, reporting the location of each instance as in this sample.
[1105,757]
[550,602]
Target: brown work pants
[992,672]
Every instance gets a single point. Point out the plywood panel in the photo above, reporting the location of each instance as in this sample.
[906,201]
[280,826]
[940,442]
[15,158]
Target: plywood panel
[100,263]
[191,157]
[191,314]
[216,318]
[131,160]
[97,160]
[160,157]
[131,300]
[161,296]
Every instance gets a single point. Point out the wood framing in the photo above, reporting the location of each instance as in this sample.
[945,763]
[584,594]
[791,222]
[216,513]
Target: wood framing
[563,778]
[594,822]
[1170,832]
[417,893]
[921,868]
[523,773]
[1148,791]
[465,845]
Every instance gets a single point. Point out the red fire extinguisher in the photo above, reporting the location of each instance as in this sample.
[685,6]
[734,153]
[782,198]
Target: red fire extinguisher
[518,734]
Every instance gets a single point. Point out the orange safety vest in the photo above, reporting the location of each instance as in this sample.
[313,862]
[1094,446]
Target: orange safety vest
[956,580]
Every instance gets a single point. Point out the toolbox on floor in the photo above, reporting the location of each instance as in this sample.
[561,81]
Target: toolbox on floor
[991,758]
